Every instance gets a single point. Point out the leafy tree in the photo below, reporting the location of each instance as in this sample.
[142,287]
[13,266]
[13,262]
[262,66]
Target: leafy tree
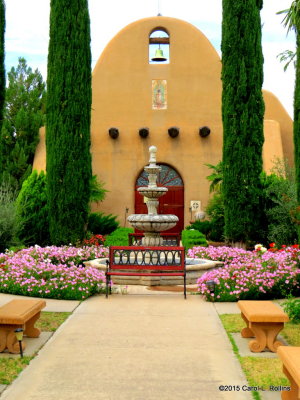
[2,57]
[289,56]
[242,114]
[97,191]
[68,120]
[8,219]
[215,205]
[215,213]
[291,22]
[216,177]
[23,116]
[280,194]
[32,211]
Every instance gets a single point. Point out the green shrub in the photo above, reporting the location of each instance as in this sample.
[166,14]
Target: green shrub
[215,213]
[191,238]
[280,194]
[99,223]
[292,308]
[97,191]
[32,211]
[8,219]
[201,226]
[119,237]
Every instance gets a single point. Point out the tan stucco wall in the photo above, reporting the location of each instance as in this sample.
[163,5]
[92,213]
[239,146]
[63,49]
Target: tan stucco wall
[39,162]
[272,149]
[122,98]
[275,111]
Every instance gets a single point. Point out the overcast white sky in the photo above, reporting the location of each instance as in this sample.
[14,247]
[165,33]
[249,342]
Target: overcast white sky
[27,32]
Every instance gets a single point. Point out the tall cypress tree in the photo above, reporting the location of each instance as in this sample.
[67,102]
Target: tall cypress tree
[297,121]
[242,113]
[2,57]
[68,120]
[292,22]
[297,112]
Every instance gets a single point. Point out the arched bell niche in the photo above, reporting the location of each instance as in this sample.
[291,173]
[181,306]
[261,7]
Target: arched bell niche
[159,46]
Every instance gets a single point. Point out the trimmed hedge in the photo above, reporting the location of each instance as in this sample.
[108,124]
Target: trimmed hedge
[99,223]
[119,237]
[191,238]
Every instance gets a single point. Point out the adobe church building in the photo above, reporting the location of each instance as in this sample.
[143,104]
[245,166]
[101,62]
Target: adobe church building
[174,105]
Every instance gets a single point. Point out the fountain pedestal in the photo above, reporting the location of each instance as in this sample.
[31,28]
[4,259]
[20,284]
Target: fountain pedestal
[152,223]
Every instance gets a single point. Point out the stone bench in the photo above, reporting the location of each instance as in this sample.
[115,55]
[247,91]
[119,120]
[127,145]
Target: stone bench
[146,261]
[290,357]
[15,314]
[264,321]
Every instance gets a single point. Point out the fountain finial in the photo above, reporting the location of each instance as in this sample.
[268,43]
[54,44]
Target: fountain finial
[152,151]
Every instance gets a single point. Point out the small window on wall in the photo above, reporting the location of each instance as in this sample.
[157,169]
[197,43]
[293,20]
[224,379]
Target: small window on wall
[159,46]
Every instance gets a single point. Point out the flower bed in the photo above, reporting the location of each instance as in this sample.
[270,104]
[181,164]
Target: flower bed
[52,272]
[250,275]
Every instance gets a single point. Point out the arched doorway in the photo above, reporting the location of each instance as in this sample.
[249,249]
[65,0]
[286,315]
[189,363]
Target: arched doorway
[172,202]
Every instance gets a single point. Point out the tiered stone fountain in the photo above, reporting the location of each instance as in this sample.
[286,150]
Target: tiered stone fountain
[152,223]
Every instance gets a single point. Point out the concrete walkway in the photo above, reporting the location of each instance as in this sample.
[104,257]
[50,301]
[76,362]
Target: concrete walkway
[142,346]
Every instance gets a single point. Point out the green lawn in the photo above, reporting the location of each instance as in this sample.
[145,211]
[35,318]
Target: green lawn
[261,371]
[11,367]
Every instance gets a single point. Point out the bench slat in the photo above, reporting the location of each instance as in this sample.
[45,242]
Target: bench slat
[290,357]
[262,311]
[147,267]
[144,274]
[18,311]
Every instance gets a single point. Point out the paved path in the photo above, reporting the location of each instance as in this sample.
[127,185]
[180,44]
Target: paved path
[154,346]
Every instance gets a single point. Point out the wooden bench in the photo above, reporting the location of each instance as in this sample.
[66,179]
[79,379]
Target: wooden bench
[145,261]
[264,321]
[19,313]
[290,357]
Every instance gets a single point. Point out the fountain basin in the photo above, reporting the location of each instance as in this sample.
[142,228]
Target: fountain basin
[154,193]
[152,222]
[195,267]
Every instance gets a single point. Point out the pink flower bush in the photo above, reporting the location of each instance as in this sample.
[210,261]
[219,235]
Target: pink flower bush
[53,272]
[250,274]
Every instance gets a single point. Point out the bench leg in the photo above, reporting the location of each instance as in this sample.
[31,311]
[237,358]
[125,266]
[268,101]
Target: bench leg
[12,343]
[265,336]
[3,335]
[30,329]
[246,332]
[8,340]
[294,393]
[184,283]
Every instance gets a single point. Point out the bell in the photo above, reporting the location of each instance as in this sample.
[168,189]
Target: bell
[159,56]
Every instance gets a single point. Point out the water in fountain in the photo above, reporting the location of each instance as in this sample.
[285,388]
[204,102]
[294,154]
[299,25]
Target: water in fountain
[152,223]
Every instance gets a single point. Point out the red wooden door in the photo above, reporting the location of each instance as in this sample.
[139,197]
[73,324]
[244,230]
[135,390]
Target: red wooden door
[172,202]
